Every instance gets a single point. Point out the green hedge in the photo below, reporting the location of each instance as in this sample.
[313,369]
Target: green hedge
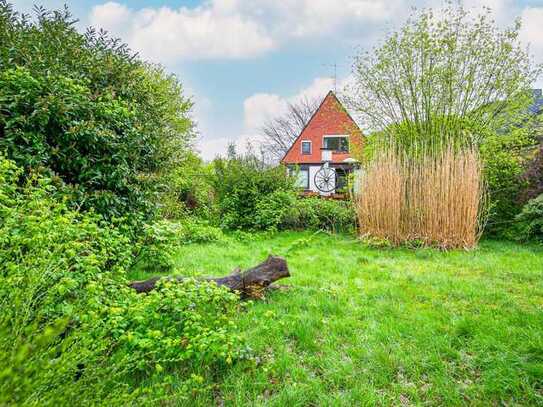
[286,210]
[529,222]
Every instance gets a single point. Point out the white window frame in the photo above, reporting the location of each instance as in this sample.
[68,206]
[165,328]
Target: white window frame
[335,136]
[297,171]
[306,182]
[310,147]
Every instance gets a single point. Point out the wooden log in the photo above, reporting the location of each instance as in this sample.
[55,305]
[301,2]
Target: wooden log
[248,283]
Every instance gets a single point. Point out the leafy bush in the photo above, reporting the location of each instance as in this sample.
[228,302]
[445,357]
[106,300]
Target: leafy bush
[530,221]
[285,210]
[160,241]
[196,231]
[275,210]
[188,191]
[158,244]
[84,108]
[58,123]
[182,332]
[504,161]
[240,183]
[325,214]
[533,176]
[72,332]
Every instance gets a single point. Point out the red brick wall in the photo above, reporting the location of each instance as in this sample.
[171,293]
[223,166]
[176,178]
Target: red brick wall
[330,119]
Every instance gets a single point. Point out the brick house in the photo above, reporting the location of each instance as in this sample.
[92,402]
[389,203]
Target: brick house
[325,151]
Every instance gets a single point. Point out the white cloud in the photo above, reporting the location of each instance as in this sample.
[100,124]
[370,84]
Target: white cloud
[261,107]
[212,148]
[303,18]
[111,16]
[317,89]
[164,34]
[234,28]
[531,32]
[257,109]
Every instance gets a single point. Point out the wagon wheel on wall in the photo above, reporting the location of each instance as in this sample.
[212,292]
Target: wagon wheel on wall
[325,179]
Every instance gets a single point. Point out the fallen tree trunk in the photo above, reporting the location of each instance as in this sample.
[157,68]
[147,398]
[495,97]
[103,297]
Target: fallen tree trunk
[249,283]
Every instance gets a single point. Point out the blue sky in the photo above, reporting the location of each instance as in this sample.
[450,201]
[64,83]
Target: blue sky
[243,60]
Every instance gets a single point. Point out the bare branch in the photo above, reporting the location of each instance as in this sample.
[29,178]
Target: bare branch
[279,133]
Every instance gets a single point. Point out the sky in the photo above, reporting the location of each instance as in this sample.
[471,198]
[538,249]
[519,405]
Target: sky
[242,61]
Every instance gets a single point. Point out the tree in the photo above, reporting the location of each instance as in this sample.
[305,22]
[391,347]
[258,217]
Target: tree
[280,132]
[87,110]
[453,78]
[443,77]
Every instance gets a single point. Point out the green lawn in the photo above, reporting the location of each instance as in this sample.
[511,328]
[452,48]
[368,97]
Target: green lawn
[366,326]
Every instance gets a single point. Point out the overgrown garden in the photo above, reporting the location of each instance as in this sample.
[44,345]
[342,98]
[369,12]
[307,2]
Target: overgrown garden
[100,184]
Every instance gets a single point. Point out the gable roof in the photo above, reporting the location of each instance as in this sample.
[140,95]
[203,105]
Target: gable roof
[342,115]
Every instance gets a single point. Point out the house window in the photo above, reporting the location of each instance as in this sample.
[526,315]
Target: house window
[302,176]
[306,147]
[336,143]
[342,180]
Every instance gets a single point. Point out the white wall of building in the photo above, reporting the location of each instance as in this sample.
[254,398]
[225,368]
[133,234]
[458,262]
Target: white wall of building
[313,169]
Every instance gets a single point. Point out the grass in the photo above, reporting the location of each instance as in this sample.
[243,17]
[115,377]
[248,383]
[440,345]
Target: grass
[433,195]
[367,326]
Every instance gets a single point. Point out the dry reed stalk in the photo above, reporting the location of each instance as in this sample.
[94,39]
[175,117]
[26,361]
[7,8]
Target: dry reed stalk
[437,198]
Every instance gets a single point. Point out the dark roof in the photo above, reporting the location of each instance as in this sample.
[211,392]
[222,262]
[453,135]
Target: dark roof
[537,106]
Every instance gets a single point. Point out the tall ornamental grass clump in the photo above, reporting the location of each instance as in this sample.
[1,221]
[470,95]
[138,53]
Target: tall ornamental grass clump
[436,198]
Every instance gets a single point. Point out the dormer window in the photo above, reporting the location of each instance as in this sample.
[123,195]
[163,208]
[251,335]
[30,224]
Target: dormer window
[336,143]
[306,147]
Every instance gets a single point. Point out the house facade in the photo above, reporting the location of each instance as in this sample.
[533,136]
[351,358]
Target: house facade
[326,151]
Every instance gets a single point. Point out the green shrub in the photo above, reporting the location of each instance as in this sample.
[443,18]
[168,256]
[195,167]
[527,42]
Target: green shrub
[533,176]
[275,210]
[57,123]
[56,263]
[325,214]
[251,196]
[529,222]
[85,109]
[179,334]
[504,160]
[159,241]
[158,244]
[240,184]
[196,231]
[73,333]
[188,191]
[285,210]
[243,236]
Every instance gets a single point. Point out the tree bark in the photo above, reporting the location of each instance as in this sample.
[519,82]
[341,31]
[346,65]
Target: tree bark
[249,283]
